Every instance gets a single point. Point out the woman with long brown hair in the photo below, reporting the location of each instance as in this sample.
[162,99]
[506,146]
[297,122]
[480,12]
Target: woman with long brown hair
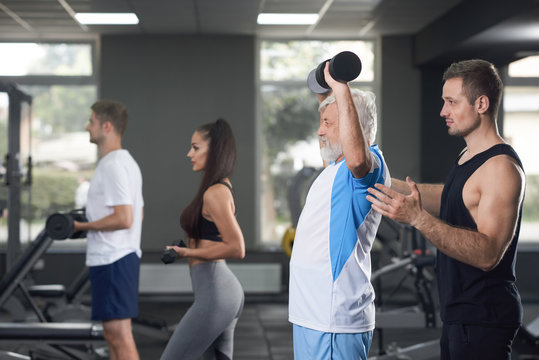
[214,235]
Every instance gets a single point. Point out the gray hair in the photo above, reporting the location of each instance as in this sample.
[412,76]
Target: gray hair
[365,102]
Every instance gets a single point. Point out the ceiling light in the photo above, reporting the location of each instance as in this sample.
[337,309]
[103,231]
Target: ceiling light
[286,19]
[107,18]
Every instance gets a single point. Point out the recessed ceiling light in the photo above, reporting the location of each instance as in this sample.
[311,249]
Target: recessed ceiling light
[107,18]
[286,19]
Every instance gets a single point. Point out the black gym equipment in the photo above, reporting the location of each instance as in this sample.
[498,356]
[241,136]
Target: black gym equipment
[13,279]
[169,255]
[60,226]
[60,340]
[10,355]
[402,249]
[343,67]
[18,165]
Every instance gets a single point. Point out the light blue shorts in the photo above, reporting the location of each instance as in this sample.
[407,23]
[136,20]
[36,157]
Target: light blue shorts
[316,345]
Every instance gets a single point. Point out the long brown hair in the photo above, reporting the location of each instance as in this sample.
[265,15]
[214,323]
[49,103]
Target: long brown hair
[220,162]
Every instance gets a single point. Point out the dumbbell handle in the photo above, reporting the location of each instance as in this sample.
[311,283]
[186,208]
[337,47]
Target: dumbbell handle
[179,243]
[169,255]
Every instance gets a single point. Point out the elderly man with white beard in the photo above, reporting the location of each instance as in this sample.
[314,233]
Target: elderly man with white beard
[331,299]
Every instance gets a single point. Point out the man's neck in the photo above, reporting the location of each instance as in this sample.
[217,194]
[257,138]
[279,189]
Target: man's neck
[483,138]
[108,147]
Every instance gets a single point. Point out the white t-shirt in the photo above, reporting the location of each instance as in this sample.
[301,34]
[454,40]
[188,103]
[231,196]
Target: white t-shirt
[330,267]
[117,181]
[81,194]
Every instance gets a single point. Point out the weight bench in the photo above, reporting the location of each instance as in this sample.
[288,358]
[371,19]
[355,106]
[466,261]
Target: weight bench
[10,355]
[56,341]
[51,333]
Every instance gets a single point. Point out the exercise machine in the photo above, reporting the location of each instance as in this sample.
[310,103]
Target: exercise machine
[52,340]
[404,251]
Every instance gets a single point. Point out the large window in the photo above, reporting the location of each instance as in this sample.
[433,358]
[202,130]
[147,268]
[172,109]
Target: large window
[290,156]
[24,59]
[521,126]
[60,78]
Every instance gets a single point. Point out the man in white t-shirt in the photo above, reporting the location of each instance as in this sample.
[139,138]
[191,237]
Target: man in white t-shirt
[331,300]
[114,210]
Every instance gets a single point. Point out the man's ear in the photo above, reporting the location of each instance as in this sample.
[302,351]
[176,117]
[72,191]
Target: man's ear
[107,126]
[482,104]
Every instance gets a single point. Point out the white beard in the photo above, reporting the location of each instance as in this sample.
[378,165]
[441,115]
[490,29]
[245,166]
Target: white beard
[330,152]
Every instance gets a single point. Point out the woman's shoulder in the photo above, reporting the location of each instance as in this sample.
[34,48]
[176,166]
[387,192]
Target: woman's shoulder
[220,189]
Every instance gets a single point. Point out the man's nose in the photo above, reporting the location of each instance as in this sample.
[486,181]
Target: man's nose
[443,112]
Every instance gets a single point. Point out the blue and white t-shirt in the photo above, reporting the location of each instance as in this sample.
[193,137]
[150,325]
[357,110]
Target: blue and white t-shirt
[330,267]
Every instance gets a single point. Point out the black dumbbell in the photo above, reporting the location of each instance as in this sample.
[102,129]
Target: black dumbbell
[60,226]
[343,67]
[169,255]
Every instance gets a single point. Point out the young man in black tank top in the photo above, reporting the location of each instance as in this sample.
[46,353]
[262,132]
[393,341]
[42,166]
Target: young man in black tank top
[473,219]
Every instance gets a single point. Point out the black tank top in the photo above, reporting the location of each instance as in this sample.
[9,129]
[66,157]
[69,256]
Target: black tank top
[469,295]
[207,229]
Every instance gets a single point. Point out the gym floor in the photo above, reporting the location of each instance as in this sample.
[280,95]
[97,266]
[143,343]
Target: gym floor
[264,333]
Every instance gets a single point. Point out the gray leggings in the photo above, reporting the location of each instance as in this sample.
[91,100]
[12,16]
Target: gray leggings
[207,328]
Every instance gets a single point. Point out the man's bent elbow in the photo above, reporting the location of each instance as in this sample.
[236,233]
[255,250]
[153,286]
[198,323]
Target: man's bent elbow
[126,223]
[359,168]
[489,264]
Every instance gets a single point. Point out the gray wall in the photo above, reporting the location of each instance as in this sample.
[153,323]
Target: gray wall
[401,108]
[438,149]
[171,85]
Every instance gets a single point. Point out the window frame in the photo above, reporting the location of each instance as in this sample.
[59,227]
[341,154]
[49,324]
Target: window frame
[44,80]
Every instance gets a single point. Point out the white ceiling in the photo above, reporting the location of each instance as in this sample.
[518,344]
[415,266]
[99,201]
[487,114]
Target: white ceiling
[441,30]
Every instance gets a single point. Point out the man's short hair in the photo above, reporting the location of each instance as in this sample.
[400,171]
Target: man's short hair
[108,110]
[365,103]
[479,77]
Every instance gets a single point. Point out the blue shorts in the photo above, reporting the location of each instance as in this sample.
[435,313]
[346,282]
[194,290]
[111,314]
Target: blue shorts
[316,345]
[115,289]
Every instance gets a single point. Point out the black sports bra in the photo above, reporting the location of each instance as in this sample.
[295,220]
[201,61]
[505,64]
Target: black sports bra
[207,229]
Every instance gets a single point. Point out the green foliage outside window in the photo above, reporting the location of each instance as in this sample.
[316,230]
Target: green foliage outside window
[289,115]
[60,109]
[53,191]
